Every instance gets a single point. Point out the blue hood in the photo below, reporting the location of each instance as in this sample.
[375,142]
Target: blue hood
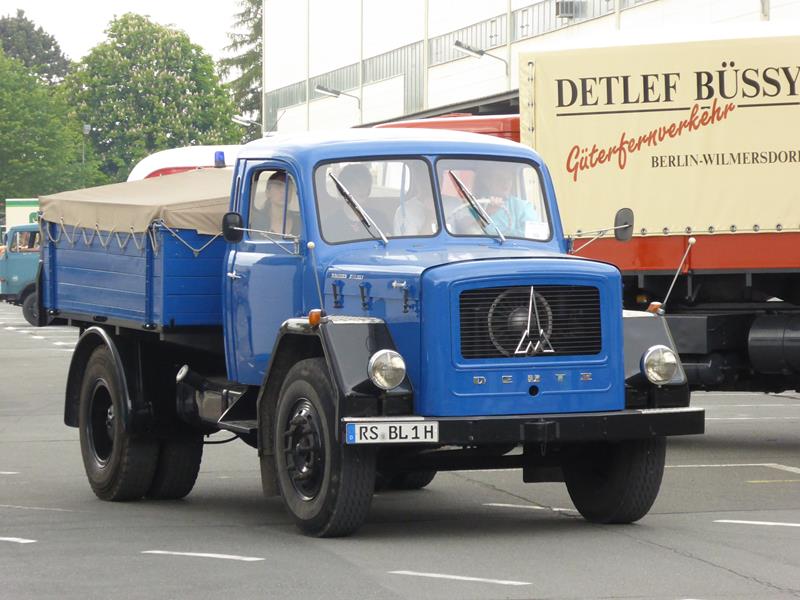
[411,260]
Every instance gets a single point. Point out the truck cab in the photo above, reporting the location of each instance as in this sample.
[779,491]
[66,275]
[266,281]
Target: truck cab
[388,304]
[19,259]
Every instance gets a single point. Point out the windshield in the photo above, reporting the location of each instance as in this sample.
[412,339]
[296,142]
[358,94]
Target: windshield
[509,194]
[397,195]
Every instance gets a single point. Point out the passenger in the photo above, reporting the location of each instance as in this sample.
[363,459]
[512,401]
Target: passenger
[268,212]
[415,215]
[341,223]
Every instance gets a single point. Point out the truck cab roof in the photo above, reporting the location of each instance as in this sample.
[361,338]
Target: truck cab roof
[313,147]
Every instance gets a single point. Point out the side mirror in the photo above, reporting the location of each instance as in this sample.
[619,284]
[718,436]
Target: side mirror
[623,225]
[232,226]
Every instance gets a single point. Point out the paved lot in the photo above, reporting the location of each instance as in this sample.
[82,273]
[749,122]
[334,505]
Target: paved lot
[726,525]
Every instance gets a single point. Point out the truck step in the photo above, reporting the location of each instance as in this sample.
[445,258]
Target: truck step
[249,427]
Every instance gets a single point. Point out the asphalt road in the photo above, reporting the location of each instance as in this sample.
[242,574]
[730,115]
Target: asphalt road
[726,524]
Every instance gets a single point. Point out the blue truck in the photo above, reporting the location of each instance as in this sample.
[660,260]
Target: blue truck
[365,308]
[19,261]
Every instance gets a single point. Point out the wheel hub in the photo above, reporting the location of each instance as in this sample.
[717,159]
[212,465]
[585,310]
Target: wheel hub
[101,423]
[304,452]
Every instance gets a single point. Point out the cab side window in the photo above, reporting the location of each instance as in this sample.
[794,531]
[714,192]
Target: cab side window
[25,241]
[274,206]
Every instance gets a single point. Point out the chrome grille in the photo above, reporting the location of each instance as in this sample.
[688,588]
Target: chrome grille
[494,321]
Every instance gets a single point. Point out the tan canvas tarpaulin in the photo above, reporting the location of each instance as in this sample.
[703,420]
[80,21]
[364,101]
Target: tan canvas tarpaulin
[694,137]
[192,200]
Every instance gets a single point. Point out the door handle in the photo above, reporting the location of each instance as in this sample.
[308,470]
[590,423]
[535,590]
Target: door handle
[234,275]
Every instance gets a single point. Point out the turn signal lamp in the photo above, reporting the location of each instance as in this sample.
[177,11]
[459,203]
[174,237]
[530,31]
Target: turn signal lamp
[655,308]
[314,317]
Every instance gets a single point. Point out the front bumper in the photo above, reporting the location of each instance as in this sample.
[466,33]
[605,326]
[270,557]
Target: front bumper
[568,427]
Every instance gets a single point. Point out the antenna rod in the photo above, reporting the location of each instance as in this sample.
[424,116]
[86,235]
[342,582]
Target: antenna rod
[311,246]
[691,242]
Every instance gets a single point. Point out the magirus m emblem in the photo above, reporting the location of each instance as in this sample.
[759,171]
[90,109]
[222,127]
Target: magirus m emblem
[535,339]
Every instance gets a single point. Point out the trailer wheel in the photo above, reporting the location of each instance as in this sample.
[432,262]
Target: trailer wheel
[326,486]
[119,466]
[178,465]
[30,309]
[616,482]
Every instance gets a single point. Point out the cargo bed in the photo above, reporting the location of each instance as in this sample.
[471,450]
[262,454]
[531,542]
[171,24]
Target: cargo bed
[137,267]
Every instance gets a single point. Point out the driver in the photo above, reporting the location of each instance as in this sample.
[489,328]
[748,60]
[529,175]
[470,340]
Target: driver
[493,187]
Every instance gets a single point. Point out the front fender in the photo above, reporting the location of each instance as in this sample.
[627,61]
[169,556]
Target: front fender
[641,331]
[346,343]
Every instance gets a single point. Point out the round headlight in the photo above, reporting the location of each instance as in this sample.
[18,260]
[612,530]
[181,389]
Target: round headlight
[659,364]
[386,369]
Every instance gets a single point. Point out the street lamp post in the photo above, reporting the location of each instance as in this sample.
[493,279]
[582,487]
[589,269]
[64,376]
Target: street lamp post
[479,53]
[244,121]
[326,91]
[86,131]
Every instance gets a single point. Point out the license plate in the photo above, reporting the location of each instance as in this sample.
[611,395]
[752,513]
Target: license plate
[392,433]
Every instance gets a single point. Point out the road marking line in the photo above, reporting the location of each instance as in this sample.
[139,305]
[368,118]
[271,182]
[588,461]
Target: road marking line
[774,481]
[528,506]
[35,508]
[63,343]
[206,555]
[752,418]
[765,523]
[37,337]
[777,466]
[460,578]
[747,406]
[17,540]
[9,472]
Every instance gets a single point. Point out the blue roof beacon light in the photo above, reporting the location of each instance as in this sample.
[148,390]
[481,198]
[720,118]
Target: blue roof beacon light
[219,159]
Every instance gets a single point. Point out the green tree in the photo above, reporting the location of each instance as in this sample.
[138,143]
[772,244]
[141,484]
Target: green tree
[41,149]
[37,49]
[148,88]
[246,64]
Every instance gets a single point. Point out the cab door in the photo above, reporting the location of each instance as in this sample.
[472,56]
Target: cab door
[264,284]
[21,259]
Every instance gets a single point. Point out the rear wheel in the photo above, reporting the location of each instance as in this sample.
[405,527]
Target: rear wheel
[616,482]
[30,309]
[326,486]
[178,465]
[119,466]
[408,480]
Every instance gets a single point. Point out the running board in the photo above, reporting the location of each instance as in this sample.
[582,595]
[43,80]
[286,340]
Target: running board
[249,427]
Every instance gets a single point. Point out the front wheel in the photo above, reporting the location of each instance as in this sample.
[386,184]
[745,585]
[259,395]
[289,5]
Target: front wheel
[326,486]
[616,482]
[119,465]
[30,309]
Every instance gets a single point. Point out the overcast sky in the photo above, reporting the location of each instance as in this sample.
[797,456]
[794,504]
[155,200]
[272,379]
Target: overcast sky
[78,25]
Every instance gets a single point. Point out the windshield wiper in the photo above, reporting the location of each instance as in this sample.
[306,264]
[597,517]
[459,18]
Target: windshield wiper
[362,215]
[482,216]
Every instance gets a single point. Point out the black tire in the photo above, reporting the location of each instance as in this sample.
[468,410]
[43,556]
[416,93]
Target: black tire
[326,486]
[616,482]
[410,480]
[178,465]
[119,466]
[30,309]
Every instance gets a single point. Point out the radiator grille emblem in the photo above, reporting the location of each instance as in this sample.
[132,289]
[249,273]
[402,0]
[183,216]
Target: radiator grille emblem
[543,328]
